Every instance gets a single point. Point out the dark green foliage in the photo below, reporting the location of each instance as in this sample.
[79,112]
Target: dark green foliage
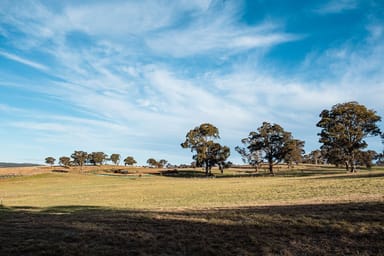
[97,158]
[50,160]
[344,129]
[272,143]
[65,161]
[129,160]
[294,152]
[207,152]
[79,158]
[366,158]
[152,162]
[115,158]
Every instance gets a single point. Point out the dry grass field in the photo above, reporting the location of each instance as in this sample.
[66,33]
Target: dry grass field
[310,211]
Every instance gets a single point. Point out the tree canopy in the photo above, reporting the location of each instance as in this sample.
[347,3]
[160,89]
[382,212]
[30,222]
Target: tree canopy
[50,160]
[294,151]
[97,158]
[208,153]
[344,129]
[65,161]
[115,158]
[129,160]
[79,157]
[152,162]
[272,143]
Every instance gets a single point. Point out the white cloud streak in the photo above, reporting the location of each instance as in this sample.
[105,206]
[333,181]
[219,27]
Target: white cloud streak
[334,7]
[24,61]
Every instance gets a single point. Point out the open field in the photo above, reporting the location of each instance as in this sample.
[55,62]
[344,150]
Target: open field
[300,212]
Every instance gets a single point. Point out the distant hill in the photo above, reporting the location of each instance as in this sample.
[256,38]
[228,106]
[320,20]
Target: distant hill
[4,165]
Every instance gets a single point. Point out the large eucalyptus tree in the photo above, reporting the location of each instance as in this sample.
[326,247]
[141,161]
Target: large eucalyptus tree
[208,153]
[344,129]
[272,143]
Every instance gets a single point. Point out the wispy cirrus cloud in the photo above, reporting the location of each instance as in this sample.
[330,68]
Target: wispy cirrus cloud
[217,30]
[131,18]
[333,7]
[24,61]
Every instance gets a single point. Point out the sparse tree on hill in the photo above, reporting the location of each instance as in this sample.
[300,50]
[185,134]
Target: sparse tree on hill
[162,163]
[207,152]
[97,158]
[152,162]
[272,141]
[129,160]
[115,158]
[79,158]
[50,160]
[65,161]
[344,129]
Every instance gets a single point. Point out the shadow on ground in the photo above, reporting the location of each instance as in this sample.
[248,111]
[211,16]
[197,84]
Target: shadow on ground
[190,173]
[357,175]
[334,229]
[201,174]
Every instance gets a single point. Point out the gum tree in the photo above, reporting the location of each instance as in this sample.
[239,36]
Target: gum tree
[50,160]
[115,158]
[97,158]
[208,153]
[129,160]
[294,152]
[343,130]
[270,142]
[65,161]
[79,157]
[152,162]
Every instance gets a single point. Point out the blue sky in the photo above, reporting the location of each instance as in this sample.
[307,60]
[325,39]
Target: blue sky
[133,77]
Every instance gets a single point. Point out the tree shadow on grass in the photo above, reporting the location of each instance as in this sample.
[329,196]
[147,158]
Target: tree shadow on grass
[194,173]
[201,174]
[355,228]
[358,175]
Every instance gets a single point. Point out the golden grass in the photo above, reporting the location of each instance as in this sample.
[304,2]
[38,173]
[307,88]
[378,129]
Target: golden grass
[298,212]
[153,192]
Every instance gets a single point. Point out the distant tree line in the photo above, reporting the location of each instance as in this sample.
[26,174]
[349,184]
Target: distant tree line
[81,158]
[344,129]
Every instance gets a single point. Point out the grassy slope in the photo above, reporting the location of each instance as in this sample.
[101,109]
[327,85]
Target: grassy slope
[72,214]
[149,192]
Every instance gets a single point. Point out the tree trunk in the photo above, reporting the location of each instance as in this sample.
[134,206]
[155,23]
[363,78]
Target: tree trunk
[353,166]
[347,166]
[353,162]
[270,167]
[207,169]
